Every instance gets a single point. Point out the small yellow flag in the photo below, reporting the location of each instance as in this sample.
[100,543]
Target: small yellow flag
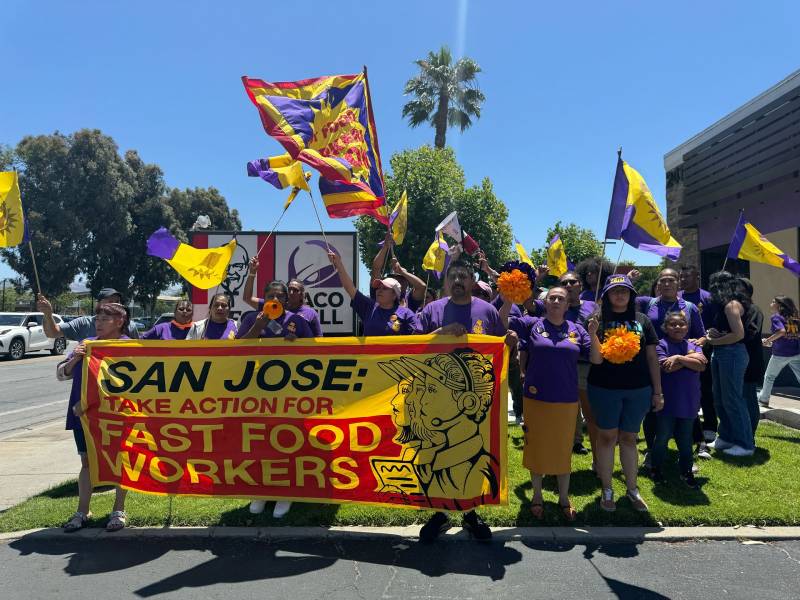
[203,268]
[399,219]
[12,221]
[523,254]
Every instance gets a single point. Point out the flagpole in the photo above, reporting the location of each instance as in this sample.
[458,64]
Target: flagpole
[619,257]
[314,204]
[427,279]
[603,254]
[35,270]
[274,227]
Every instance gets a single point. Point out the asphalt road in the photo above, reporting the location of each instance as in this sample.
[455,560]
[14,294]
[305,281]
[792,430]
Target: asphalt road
[29,393]
[395,568]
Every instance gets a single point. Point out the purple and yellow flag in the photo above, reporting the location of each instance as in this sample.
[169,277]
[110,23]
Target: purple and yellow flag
[635,218]
[281,171]
[327,123]
[749,244]
[437,257]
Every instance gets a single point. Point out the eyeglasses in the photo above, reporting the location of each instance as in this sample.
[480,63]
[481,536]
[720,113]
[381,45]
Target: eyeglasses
[569,282]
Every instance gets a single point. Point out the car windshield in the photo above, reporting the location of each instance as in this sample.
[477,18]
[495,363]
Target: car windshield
[7,320]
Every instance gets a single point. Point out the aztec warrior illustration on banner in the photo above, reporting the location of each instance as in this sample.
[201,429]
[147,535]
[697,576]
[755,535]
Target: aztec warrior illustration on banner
[404,421]
[286,256]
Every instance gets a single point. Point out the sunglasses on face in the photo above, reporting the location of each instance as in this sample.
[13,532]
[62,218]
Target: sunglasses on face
[569,282]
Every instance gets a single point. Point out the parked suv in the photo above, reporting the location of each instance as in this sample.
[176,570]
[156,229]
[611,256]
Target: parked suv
[22,332]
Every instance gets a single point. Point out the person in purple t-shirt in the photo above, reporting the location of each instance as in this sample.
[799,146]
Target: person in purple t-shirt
[289,326]
[459,315]
[217,326]
[785,344]
[384,316]
[681,362]
[110,321]
[691,291]
[295,304]
[178,328]
[579,311]
[549,355]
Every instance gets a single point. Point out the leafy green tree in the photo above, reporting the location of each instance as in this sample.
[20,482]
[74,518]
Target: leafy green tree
[188,204]
[57,229]
[436,186]
[579,243]
[445,94]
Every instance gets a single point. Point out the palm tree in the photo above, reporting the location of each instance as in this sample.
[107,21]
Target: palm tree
[447,94]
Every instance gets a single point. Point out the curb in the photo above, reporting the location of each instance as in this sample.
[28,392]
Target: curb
[559,535]
[783,416]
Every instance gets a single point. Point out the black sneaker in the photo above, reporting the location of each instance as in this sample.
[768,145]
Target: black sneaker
[476,527]
[688,479]
[656,475]
[437,524]
[579,449]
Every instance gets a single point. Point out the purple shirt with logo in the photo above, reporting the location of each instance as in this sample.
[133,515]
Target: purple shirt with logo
[656,310]
[682,387]
[384,321]
[290,323]
[477,317]
[553,350]
[166,331]
[705,305]
[305,311]
[789,344]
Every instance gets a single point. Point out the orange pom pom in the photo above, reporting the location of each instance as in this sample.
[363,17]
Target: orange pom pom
[620,345]
[272,309]
[514,286]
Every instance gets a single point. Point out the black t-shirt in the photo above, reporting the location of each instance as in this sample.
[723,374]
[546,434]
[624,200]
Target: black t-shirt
[630,375]
[753,324]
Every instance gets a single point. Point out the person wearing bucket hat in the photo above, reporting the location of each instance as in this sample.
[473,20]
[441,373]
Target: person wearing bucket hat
[83,327]
[384,315]
[622,385]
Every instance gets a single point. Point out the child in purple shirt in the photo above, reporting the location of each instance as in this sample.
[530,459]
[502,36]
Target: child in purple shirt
[681,363]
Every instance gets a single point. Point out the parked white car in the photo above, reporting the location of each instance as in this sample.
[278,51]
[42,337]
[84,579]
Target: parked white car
[22,332]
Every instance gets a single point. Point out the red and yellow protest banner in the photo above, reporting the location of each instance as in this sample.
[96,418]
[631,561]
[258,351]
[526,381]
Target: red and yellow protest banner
[414,421]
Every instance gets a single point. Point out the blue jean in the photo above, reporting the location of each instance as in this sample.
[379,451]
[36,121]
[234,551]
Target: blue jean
[666,427]
[750,394]
[728,364]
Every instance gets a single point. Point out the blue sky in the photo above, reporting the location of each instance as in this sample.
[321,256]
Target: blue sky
[566,84]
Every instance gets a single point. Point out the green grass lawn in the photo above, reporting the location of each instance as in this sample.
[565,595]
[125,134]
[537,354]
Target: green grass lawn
[761,490]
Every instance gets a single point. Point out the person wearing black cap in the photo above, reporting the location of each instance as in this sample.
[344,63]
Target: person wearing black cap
[83,327]
[622,387]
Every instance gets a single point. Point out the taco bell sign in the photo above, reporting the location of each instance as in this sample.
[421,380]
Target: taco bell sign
[287,255]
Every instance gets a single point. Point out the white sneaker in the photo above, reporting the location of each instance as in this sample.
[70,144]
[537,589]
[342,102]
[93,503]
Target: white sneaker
[702,452]
[695,469]
[281,509]
[257,506]
[738,451]
[720,444]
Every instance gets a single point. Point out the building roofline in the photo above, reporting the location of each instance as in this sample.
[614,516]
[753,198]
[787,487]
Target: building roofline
[675,156]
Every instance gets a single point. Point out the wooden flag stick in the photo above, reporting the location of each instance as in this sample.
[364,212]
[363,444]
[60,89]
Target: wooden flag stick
[35,270]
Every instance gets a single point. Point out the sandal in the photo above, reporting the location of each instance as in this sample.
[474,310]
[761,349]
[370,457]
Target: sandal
[537,510]
[117,520]
[569,512]
[77,521]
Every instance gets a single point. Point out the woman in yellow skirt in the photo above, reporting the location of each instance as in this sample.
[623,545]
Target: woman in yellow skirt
[549,349]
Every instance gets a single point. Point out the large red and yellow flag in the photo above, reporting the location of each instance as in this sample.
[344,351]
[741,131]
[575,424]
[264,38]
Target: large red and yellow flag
[410,421]
[328,124]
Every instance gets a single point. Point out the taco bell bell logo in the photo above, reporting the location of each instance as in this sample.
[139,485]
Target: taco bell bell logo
[305,261]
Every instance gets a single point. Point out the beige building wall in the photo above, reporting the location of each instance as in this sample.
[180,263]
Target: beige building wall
[769,281]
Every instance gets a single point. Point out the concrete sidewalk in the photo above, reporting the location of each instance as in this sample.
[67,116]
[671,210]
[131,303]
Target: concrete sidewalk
[783,410]
[34,461]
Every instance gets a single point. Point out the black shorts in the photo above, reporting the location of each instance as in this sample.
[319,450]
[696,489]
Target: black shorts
[80,440]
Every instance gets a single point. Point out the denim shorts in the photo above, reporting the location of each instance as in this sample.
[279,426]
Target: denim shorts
[80,439]
[620,409]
